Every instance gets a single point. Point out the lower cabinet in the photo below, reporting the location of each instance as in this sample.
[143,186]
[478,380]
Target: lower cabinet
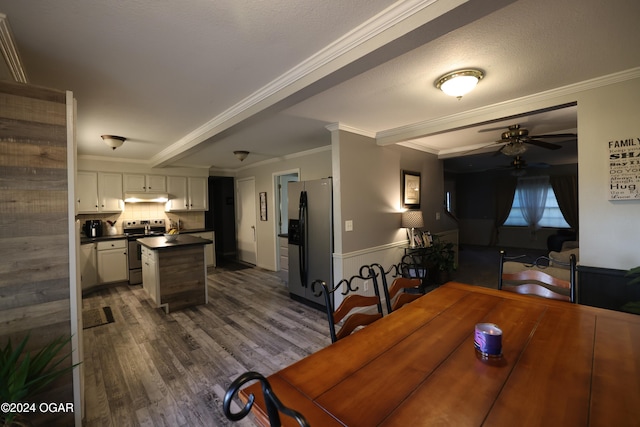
[150,276]
[88,266]
[112,261]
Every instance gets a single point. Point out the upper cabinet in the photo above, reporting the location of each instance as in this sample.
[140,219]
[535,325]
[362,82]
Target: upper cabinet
[187,194]
[99,192]
[138,183]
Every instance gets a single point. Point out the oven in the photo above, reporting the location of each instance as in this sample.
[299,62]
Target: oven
[135,229]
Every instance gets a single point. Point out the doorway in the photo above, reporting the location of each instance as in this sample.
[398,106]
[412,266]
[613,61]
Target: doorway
[246,220]
[221,217]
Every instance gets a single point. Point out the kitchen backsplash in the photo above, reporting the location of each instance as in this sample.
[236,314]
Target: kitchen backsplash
[188,220]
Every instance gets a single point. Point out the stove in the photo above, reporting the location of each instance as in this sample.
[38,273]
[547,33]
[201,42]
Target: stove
[135,229]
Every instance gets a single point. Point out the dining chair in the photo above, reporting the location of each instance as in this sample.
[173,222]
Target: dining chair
[403,290]
[273,404]
[355,310]
[538,278]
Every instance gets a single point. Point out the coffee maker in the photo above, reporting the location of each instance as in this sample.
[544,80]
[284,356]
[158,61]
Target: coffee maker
[93,228]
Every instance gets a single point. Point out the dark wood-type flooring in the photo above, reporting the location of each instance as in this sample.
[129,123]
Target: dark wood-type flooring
[149,368]
[154,369]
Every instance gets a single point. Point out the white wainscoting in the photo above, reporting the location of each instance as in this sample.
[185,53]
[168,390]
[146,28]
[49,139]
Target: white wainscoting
[348,264]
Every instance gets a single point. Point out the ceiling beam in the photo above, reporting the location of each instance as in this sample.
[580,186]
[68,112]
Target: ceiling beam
[392,23]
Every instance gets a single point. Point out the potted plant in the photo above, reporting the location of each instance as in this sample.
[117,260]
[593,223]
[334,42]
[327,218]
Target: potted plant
[440,259]
[23,374]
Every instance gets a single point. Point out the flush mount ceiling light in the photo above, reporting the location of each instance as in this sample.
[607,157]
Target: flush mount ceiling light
[459,83]
[113,141]
[241,155]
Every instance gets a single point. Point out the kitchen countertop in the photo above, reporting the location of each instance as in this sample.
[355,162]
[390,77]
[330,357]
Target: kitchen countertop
[160,242]
[84,239]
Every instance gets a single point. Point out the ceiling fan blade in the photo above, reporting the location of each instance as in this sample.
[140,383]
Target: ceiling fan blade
[539,165]
[556,135]
[542,144]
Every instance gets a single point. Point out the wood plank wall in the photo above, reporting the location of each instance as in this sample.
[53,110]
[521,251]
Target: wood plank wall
[34,236]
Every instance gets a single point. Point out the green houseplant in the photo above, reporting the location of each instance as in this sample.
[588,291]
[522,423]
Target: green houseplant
[441,260]
[23,373]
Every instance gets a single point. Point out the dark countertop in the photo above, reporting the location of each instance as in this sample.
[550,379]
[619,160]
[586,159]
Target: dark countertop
[160,242]
[85,239]
[196,230]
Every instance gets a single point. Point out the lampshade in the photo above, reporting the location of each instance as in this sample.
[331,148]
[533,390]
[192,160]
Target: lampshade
[459,83]
[113,141]
[241,154]
[412,219]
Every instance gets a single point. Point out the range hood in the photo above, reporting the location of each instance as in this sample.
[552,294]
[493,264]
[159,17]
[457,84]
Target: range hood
[146,197]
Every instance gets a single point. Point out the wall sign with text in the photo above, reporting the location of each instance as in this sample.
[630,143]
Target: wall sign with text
[624,169]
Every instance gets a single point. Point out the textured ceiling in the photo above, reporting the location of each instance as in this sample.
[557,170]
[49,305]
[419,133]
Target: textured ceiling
[189,82]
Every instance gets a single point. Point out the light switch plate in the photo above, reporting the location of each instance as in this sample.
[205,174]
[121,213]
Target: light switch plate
[348,225]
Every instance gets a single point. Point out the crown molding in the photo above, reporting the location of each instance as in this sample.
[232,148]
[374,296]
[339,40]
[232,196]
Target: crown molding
[10,52]
[340,126]
[393,22]
[548,98]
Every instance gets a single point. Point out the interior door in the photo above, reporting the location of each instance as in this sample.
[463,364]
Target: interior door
[246,220]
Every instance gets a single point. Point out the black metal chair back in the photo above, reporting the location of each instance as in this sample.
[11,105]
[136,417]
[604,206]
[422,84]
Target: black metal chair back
[411,286]
[273,404]
[535,281]
[353,300]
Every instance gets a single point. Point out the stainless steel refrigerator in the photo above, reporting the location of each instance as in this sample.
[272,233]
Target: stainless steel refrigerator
[310,238]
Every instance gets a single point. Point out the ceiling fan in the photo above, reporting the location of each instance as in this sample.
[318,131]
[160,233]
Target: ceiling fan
[515,138]
[518,164]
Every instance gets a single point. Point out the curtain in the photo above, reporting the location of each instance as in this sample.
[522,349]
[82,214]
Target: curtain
[505,191]
[566,190]
[533,199]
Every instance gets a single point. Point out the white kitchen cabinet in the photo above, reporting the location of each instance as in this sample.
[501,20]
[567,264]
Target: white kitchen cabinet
[138,183]
[209,250]
[198,193]
[187,194]
[150,275]
[112,261]
[110,192]
[99,192]
[88,266]
[87,192]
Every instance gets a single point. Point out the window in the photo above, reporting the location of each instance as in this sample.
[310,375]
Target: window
[552,216]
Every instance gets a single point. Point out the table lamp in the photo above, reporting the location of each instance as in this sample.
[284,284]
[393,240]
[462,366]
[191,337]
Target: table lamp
[412,219]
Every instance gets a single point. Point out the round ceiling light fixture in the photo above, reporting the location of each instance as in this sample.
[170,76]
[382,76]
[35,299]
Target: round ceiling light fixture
[459,83]
[113,141]
[241,154]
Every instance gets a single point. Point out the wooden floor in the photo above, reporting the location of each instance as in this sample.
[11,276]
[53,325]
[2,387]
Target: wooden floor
[154,369]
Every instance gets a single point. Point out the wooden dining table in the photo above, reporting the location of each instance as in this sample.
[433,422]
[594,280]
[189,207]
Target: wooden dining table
[562,364]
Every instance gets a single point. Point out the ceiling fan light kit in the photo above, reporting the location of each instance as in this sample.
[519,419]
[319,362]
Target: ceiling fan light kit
[459,83]
[513,149]
[113,141]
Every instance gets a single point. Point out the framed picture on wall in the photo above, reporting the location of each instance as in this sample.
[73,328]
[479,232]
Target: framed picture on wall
[411,190]
[263,206]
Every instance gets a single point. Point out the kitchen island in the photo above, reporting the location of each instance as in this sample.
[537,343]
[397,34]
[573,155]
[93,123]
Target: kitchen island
[174,274]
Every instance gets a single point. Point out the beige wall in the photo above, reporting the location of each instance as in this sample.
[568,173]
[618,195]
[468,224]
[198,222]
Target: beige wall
[609,231]
[370,191]
[311,165]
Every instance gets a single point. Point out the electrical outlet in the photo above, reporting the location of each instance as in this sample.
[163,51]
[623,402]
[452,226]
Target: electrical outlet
[437,216]
[366,285]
